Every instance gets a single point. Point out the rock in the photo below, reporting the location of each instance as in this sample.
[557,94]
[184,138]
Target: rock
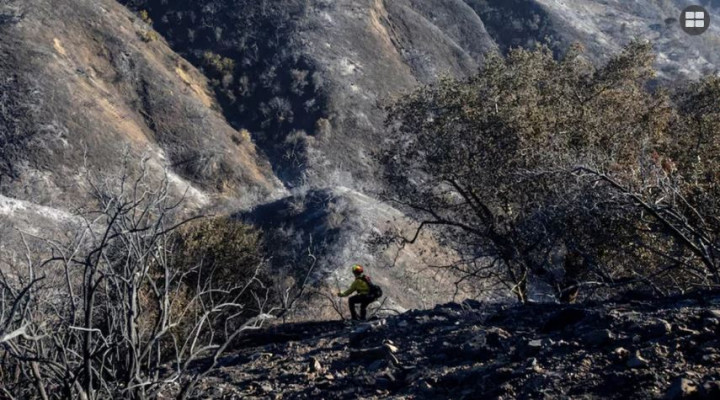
[472,304]
[538,343]
[712,314]
[390,347]
[373,353]
[687,331]
[503,373]
[681,388]
[637,361]
[586,362]
[364,331]
[496,336]
[403,324]
[660,350]
[598,337]
[711,358]
[657,329]
[534,366]
[315,365]
[621,354]
[385,380]
[264,386]
[473,350]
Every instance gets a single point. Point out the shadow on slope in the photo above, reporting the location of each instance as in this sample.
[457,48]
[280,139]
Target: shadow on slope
[336,226]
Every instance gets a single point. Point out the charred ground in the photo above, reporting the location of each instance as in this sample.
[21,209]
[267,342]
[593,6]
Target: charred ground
[627,348]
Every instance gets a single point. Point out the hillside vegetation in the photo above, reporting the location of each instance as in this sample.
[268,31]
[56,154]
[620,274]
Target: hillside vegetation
[555,171]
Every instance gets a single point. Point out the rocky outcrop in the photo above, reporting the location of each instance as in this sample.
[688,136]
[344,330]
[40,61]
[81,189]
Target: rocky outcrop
[474,350]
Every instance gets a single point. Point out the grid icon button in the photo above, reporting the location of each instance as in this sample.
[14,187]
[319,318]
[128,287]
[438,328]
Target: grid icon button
[694,20]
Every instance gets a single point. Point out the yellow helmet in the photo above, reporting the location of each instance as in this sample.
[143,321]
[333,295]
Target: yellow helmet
[357,269]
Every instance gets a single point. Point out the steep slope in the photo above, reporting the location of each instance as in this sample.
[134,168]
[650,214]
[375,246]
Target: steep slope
[87,86]
[306,78]
[603,27]
[617,350]
[336,227]
[372,51]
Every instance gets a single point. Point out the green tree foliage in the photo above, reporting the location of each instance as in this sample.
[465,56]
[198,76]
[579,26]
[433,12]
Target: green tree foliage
[539,168]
